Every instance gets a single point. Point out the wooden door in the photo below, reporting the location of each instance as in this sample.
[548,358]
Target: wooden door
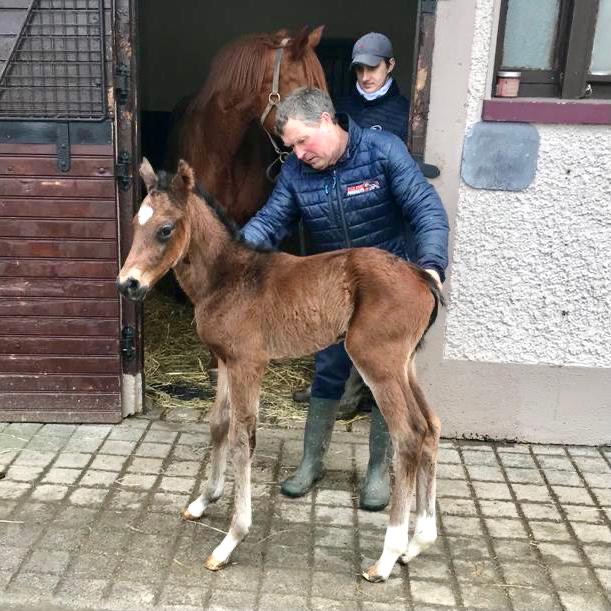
[64,350]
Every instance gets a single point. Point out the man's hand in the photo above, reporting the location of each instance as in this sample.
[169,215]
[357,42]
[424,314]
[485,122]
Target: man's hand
[435,277]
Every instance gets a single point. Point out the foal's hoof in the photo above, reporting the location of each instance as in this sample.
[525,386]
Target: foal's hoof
[372,575]
[212,564]
[416,546]
[186,515]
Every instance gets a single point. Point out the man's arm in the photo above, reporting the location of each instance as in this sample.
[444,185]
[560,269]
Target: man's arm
[421,207]
[276,220]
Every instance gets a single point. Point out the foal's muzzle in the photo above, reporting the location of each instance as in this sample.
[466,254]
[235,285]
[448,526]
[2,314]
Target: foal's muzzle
[132,289]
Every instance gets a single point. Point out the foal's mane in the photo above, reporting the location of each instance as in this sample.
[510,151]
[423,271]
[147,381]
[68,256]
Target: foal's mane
[164,185]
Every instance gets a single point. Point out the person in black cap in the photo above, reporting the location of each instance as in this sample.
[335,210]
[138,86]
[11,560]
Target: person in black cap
[376,101]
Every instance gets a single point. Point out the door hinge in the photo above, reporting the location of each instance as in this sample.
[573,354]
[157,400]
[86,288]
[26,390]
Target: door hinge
[122,171]
[128,343]
[122,84]
[63,147]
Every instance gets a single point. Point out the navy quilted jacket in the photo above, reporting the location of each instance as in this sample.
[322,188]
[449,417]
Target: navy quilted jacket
[389,112]
[364,200]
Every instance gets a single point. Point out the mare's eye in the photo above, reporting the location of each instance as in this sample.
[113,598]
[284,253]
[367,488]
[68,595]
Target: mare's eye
[164,232]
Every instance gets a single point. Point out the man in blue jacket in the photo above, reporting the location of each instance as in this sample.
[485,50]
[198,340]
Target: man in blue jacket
[352,187]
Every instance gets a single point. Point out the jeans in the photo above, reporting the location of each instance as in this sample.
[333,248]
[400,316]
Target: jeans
[331,370]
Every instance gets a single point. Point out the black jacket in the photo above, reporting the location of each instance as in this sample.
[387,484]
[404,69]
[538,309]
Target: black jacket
[388,112]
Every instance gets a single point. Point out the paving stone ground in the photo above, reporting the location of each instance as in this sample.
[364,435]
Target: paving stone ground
[89,519]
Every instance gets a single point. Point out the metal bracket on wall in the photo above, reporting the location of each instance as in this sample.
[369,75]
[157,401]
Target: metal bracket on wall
[63,147]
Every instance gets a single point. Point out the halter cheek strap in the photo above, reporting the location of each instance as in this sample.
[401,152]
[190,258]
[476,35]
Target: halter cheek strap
[272,100]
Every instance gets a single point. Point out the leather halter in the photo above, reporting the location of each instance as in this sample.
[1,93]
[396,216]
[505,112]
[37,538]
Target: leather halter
[272,100]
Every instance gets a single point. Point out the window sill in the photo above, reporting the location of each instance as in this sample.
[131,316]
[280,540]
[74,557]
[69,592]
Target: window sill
[533,110]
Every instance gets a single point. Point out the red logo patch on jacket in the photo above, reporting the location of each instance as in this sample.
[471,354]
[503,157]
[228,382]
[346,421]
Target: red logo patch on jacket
[362,187]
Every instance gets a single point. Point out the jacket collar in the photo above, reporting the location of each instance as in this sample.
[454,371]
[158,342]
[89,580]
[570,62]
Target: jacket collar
[393,92]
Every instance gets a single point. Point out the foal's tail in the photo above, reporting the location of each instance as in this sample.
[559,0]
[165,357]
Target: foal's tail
[439,301]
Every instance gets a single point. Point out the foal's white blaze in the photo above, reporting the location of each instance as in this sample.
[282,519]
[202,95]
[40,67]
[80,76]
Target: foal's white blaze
[425,534]
[145,213]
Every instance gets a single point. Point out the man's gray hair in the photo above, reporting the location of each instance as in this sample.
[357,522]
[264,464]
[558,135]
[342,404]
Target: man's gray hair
[305,105]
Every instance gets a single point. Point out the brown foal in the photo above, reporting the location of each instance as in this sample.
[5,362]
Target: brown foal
[253,306]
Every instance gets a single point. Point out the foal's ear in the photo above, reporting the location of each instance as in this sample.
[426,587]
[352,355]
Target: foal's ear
[148,174]
[185,177]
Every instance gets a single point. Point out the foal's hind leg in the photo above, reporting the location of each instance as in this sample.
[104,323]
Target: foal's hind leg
[384,371]
[425,530]
[219,427]
[406,427]
[244,388]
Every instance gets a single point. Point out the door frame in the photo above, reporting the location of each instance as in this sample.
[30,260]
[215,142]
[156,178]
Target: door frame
[124,97]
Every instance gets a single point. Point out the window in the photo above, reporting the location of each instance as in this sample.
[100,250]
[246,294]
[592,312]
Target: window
[561,48]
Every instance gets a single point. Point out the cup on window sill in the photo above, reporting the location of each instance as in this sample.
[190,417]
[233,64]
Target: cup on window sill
[507,83]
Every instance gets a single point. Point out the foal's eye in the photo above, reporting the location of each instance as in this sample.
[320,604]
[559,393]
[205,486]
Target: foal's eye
[164,232]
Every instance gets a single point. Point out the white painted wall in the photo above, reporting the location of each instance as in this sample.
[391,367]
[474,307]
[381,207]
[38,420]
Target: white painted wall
[532,269]
[503,361]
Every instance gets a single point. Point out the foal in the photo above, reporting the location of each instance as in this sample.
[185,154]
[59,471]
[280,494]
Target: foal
[253,306]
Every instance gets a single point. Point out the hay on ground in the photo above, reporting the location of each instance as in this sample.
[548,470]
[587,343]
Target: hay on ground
[175,366]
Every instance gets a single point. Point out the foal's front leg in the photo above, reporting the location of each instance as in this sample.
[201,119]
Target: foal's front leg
[219,427]
[244,389]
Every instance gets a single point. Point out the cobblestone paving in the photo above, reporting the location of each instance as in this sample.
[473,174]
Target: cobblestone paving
[89,519]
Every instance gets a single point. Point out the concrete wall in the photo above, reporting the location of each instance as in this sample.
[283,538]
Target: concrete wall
[524,349]
[177,44]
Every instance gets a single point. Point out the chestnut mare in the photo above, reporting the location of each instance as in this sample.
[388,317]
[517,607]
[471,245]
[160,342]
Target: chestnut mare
[253,306]
[222,133]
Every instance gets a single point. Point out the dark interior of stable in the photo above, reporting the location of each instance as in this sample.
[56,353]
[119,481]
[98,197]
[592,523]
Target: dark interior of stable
[177,44]
[174,53]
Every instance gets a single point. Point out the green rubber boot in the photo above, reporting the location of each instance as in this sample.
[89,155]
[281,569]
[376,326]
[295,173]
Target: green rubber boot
[375,490]
[354,393]
[318,430]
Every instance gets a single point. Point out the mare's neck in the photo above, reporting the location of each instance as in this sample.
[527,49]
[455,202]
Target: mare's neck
[223,133]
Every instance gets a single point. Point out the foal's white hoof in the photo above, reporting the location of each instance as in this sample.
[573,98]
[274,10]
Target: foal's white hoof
[416,547]
[194,511]
[212,564]
[186,515]
[373,575]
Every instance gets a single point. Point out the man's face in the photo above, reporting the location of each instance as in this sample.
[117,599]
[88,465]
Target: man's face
[315,145]
[371,79]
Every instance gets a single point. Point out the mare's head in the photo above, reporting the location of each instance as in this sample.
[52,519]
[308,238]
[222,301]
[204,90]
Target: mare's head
[299,67]
[161,230]
[241,74]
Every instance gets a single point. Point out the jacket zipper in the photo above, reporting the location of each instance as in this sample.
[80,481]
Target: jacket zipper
[341,209]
